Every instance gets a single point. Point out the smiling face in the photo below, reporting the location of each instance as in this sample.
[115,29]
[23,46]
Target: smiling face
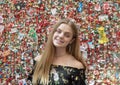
[62,36]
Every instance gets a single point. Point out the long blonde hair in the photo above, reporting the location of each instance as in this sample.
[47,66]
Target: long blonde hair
[42,68]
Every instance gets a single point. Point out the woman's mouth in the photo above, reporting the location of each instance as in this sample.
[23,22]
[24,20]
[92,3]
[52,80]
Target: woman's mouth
[59,41]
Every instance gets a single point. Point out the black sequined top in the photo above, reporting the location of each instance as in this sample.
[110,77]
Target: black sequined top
[65,75]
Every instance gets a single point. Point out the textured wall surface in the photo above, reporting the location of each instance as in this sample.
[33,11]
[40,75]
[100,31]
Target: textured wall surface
[25,25]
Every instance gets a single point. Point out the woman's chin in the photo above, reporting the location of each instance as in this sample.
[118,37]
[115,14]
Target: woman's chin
[59,46]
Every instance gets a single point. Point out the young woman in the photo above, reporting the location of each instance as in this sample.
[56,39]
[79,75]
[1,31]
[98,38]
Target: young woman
[61,62]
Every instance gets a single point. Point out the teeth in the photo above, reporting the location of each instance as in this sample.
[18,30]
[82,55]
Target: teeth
[59,41]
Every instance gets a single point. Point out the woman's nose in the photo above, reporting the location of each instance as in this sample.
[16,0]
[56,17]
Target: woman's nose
[61,35]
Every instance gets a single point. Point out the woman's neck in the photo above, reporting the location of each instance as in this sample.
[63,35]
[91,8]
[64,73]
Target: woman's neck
[60,52]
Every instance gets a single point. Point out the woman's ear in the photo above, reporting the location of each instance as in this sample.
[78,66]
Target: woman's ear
[72,41]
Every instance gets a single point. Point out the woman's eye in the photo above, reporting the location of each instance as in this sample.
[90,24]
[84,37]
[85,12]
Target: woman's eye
[58,31]
[67,35]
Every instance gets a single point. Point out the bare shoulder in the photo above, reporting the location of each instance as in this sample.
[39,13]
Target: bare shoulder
[37,58]
[78,64]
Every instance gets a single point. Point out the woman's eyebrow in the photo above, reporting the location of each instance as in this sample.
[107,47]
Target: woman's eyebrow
[58,28]
[68,33]
[65,32]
